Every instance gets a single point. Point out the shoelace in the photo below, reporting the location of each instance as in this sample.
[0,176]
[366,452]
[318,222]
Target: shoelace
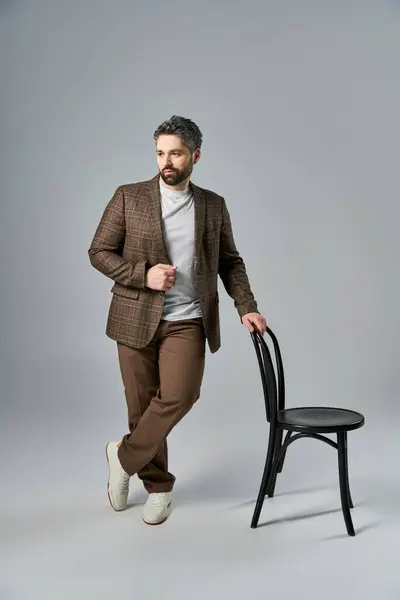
[124,481]
[158,499]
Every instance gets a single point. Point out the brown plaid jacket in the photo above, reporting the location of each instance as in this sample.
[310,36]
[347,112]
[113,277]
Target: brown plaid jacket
[129,240]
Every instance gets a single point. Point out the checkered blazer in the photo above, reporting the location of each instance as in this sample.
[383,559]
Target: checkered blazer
[129,240]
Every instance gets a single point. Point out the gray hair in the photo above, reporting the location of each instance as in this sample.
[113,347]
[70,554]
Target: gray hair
[185,129]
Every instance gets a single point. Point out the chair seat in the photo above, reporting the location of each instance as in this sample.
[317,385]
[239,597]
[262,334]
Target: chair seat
[319,419]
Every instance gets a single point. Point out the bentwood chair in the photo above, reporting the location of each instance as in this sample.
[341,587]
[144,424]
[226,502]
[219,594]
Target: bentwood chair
[303,422]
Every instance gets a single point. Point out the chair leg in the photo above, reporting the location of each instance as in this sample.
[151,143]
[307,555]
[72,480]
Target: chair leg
[344,482]
[271,487]
[272,481]
[265,477]
[347,474]
[282,460]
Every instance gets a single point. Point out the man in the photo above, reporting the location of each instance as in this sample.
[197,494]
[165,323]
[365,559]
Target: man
[164,242]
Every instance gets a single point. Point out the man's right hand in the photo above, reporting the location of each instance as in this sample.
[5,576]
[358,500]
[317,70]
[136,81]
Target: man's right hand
[161,277]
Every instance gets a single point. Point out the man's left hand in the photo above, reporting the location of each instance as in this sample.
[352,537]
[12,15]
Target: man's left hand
[255,321]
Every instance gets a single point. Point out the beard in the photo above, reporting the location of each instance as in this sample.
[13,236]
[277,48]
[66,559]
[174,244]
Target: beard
[178,175]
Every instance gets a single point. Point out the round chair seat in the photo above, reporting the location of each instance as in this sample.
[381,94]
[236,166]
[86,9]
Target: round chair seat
[320,419]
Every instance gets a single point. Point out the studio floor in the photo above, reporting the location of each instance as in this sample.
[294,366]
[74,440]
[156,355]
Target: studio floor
[60,539]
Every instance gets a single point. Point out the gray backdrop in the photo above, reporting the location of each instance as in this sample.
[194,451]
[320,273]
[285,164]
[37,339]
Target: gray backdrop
[298,104]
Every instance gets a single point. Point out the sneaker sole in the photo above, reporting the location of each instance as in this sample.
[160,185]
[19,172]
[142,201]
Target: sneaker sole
[108,484]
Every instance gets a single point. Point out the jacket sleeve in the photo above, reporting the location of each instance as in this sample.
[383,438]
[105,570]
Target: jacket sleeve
[107,244]
[232,269]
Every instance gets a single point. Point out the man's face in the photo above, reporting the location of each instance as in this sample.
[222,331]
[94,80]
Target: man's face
[175,161]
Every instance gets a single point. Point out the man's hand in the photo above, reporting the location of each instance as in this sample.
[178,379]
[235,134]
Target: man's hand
[255,321]
[161,277]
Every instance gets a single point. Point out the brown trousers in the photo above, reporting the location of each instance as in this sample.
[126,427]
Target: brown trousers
[162,381]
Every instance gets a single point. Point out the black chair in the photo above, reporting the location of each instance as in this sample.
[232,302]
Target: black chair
[309,422]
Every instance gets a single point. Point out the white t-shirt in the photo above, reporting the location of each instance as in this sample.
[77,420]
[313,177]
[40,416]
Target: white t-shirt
[182,300]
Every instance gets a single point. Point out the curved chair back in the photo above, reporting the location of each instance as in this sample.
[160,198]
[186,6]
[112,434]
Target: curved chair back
[273,379]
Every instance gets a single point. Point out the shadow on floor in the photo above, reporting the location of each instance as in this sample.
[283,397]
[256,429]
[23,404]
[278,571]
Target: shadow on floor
[300,517]
[358,530]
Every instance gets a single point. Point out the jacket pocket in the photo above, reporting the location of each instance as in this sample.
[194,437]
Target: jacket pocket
[122,290]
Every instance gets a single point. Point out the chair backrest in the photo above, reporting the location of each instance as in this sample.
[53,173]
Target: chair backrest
[273,380]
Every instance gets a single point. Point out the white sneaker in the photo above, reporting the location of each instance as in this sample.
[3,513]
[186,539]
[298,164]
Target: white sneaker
[156,509]
[118,479]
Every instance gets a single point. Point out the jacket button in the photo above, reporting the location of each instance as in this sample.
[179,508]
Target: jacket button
[161,294]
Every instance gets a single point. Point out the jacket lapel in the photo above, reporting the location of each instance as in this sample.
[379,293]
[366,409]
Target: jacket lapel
[199,220]
[199,216]
[155,211]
